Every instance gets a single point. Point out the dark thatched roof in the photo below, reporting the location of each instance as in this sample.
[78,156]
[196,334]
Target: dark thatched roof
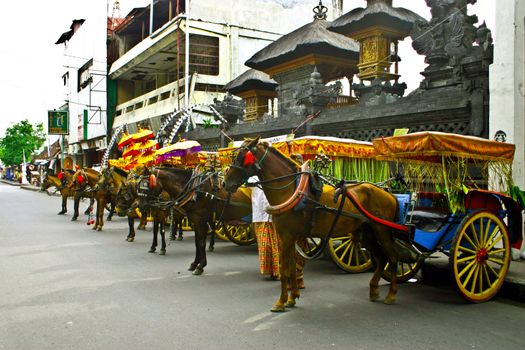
[379,13]
[310,38]
[250,80]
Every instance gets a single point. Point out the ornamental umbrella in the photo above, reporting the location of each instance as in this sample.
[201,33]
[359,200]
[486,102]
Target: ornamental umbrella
[178,149]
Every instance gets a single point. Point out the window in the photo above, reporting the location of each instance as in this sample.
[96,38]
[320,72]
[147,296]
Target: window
[204,55]
[84,77]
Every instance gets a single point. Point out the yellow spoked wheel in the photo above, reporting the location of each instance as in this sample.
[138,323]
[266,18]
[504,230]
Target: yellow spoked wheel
[405,271]
[348,254]
[240,234]
[220,232]
[310,247]
[480,256]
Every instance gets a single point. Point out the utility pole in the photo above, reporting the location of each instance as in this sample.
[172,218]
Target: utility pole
[187,55]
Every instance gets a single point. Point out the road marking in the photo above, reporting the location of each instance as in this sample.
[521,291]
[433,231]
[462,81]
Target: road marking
[231,273]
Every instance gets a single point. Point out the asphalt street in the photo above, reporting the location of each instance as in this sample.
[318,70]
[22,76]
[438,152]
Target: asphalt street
[65,286]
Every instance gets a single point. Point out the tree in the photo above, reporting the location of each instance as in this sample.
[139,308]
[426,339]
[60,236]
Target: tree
[19,138]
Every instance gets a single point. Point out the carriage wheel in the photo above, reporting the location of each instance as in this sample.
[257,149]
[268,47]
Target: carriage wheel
[310,247]
[348,254]
[186,225]
[480,256]
[220,232]
[405,271]
[240,234]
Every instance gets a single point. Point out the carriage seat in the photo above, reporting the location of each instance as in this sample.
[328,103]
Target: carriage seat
[427,220]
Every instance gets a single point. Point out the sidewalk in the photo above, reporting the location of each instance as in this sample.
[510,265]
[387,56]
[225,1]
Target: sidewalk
[435,271]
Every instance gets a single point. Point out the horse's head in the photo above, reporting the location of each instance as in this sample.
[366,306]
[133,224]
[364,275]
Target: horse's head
[46,183]
[244,165]
[126,196]
[104,178]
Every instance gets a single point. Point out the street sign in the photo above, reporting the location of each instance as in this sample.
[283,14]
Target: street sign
[57,122]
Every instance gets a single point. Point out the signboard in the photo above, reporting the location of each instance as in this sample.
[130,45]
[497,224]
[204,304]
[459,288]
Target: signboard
[57,122]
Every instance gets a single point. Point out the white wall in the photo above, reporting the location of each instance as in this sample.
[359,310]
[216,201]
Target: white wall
[278,16]
[507,108]
[88,42]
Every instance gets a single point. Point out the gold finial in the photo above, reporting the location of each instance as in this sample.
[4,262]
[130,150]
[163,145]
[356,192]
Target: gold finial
[320,11]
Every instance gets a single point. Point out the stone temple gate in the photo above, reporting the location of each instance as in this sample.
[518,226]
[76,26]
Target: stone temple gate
[299,69]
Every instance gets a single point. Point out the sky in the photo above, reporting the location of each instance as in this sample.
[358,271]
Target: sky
[31,64]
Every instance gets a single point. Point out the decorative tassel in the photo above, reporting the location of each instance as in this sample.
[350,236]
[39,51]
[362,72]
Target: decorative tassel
[60,175]
[249,159]
[80,179]
[152,181]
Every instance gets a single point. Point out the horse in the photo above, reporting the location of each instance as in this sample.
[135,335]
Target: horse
[203,202]
[133,196]
[278,176]
[62,185]
[83,184]
[108,184]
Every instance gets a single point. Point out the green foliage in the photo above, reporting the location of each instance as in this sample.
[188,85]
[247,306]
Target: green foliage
[21,137]
[208,123]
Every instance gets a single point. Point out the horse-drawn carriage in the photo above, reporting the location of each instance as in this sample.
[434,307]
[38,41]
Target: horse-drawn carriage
[441,203]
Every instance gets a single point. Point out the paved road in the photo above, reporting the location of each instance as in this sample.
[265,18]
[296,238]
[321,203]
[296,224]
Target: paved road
[64,286]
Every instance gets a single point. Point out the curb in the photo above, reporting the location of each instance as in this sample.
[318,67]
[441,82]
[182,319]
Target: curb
[12,183]
[436,272]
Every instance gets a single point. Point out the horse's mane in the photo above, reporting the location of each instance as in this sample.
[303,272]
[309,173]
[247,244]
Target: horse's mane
[292,163]
[121,172]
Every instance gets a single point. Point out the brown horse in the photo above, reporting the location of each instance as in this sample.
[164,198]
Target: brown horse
[108,184]
[149,201]
[203,202]
[61,185]
[83,183]
[278,175]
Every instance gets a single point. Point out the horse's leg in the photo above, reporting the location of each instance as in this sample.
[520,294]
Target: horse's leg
[213,227]
[292,281]
[287,251]
[201,232]
[155,231]
[179,225]
[64,205]
[91,202]
[173,228]
[387,246]
[369,241]
[162,220]
[131,225]
[76,204]
[111,209]
[143,222]
[101,204]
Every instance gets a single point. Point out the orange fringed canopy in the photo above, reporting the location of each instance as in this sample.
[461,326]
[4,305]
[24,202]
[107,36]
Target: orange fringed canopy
[431,146]
[309,146]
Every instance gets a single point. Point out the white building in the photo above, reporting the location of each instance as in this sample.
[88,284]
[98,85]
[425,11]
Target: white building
[84,78]
[150,67]
[507,82]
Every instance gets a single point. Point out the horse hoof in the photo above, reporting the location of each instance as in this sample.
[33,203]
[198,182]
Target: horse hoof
[94,227]
[61,213]
[152,250]
[74,218]
[179,238]
[389,301]
[192,267]
[373,297]
[172,238]
[198,271]
[131,239]
[211,249]
[142,228]
[278,308]
[99,228]
[290,303]
[162,252]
